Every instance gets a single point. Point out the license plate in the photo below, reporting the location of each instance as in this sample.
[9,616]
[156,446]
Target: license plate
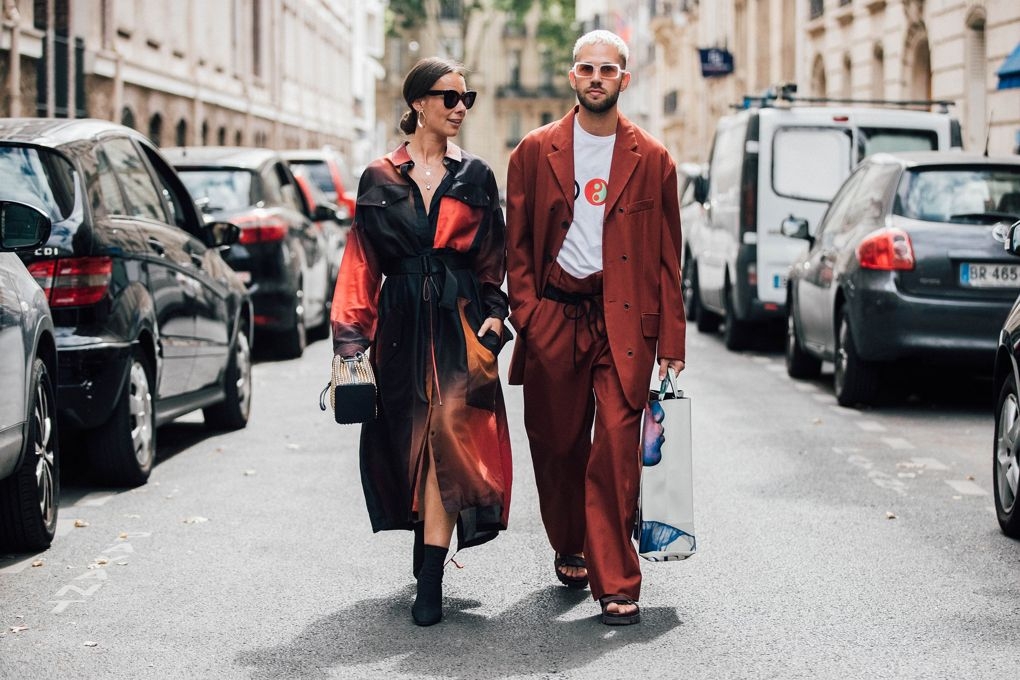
[989,275]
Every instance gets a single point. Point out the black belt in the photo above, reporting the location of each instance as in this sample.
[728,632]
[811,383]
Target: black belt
[577,306]
[439,263]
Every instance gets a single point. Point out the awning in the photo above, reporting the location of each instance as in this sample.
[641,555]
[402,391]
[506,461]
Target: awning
[1009,72]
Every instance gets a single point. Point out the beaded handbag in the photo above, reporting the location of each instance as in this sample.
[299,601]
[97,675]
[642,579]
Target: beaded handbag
[352,390]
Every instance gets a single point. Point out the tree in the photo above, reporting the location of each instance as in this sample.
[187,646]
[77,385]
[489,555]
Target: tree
[556,28]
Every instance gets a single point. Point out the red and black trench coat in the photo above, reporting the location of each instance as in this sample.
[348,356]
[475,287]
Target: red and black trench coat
[413,289]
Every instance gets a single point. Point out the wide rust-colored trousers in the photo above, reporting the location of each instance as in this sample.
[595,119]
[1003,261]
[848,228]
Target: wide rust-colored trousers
[587,482]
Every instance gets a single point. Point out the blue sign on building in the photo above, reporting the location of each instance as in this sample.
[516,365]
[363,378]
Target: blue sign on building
[715,62]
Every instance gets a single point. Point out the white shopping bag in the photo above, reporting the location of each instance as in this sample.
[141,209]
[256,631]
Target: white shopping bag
[665,523]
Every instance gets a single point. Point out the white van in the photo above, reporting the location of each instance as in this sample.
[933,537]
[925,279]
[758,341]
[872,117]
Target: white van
[770,162]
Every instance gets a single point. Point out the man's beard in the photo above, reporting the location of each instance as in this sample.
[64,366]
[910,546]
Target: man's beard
[599,107]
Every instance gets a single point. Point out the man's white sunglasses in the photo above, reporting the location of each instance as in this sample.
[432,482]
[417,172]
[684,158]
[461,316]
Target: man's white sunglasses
[583,69]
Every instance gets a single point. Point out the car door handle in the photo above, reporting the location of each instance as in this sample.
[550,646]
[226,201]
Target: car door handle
[156,245]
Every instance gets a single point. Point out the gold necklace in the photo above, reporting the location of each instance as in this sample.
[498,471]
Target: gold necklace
[428,173]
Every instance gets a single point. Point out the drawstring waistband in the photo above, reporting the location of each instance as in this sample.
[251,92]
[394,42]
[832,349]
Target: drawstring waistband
[578,306]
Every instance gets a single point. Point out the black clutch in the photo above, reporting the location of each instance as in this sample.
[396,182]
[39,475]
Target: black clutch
[352,390]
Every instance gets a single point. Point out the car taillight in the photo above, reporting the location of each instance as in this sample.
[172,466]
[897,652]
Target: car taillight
[263,232]
[75,281]
[887,250]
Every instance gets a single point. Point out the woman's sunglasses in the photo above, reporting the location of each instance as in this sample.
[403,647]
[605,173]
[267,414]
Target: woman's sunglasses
[451,97]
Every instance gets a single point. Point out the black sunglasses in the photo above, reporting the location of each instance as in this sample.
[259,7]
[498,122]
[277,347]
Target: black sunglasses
[451,97]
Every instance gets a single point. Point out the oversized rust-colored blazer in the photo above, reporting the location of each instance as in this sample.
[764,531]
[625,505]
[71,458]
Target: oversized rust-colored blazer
[640,245]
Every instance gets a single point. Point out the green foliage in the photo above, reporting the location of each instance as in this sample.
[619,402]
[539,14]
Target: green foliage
[404,15]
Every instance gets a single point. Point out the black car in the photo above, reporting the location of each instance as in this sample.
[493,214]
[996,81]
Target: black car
[281,254]
[150,323]
[907,266]
[1006,379]
[29,450]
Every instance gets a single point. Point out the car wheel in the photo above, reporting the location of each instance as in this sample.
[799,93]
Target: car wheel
[296,339]
[799,364]
[30,497]
[736,333]
[232,413]
[123,450]
[1005,463]
[855,380]
[690,286]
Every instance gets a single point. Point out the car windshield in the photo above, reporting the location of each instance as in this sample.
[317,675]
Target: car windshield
[318,173]
[38,177]
[967,195]
[218,190]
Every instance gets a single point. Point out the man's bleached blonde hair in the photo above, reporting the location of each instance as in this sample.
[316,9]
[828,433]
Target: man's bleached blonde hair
[603,37]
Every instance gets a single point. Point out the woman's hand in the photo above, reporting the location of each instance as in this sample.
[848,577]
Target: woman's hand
[491,324]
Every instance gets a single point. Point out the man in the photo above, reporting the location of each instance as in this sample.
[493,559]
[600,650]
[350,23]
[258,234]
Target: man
[593,268]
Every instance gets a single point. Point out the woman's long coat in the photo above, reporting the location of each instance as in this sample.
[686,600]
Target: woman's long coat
[413,290]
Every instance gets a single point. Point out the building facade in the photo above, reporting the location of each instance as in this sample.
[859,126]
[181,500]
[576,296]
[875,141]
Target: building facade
[520,83]
[270,73]
[859,49]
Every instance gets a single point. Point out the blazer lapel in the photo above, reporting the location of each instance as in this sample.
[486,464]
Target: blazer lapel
[625,160]
[561,158]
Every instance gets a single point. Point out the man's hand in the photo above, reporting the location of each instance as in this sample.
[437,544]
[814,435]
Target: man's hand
[664,364]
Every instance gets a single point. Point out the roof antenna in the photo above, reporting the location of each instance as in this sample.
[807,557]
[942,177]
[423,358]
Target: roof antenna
[988,130]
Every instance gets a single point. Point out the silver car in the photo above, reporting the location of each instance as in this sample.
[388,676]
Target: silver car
[29,460]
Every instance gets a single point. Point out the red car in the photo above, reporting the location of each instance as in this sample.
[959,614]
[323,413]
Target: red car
[328,171]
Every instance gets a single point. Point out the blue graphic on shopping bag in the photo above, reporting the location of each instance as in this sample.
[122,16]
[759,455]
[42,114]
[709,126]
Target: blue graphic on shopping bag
[653,434]
[657,537]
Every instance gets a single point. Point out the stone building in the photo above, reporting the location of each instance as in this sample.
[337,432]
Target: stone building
[520,85]
[271,73]
[860,49]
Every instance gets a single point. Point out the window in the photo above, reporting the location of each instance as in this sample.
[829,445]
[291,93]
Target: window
[975,195]
[181,136]
[670,103]
[834,223]
[166,187]
[879,140]
[810,163]
[156,129]
[38,177]
[140,196]
[109,187]
[219,189]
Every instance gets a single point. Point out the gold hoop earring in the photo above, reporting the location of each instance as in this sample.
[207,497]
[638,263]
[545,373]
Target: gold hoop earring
[421,118]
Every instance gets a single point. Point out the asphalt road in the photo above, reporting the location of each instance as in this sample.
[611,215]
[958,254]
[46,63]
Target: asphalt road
[833,543]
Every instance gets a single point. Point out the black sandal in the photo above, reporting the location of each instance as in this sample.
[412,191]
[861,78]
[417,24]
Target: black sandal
[571,561]
[615,618]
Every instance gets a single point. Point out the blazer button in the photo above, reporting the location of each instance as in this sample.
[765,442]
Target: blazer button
[630,352]
[624,258]
[565,225]
[626,305]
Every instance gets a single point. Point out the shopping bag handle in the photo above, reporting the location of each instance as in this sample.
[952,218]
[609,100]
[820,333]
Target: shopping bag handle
[670,382]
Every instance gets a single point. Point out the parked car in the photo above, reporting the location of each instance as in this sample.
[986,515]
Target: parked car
[328,170]
[281,254]
[907,266]
[29,451]
[766,163]
[150,323]
[329,219]
[692,186]
[1006,382]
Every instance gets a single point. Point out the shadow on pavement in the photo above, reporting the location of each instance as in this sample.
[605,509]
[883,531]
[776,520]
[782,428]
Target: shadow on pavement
[525,639]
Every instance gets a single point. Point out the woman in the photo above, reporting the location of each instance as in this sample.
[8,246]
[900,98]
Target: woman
[419,287]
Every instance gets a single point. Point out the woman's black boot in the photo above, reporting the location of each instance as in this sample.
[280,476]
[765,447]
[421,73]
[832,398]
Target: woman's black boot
[428,606]
[419,548]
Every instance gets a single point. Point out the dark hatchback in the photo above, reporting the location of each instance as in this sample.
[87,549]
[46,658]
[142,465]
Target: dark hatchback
[150,323]
[907,266]
[1006,382]
[281,254]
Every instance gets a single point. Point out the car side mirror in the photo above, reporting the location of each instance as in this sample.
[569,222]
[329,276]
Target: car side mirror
[22,226]
[325,211]
[1013,238]
[222,234]
[700,189]
[795,227]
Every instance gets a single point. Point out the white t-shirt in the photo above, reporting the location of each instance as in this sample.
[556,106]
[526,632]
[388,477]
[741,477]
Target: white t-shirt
[581,254]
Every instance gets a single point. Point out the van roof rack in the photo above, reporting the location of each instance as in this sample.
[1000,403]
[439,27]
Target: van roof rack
[787,92]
